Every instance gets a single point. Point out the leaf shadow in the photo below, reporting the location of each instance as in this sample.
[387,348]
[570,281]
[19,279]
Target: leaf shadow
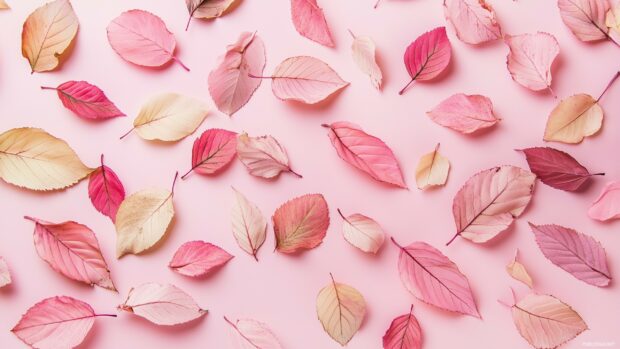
[212,274]
[173,330]
[316,108]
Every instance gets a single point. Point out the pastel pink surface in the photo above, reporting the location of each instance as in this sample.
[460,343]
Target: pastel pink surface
[203,203]
[196,258]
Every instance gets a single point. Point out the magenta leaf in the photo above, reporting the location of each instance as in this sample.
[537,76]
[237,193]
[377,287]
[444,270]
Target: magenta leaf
[86,100]
[105,190]
[427,56]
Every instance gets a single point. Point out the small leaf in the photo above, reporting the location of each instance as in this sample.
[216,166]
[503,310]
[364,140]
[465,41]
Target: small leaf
[86,100]
[612,19]
[309,21]
[249,226]
[362,232]
[363,51]
[404,333]
[301,223]
[585,18]
[530,59]
[4,5]
[5,274]
[263,156]
[473,20]
[518,272]
[428,56]
[573,119]
[251,334]
[432,170]
[105,190]
[198,258]
[206,9]
[464,113]
[607,205]
[212,151]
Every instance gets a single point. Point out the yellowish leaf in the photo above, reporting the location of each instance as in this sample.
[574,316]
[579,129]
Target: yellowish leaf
[48,33]
[4,5]
[518,272]
[573,119]
[32,158]
[612,20]
[432,170]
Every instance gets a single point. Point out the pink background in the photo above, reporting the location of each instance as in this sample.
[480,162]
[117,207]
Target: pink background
[281,290]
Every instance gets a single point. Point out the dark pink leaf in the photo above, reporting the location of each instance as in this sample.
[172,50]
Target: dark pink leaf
[106,191]
[212,151]
[404,333]
[427,56]
[86,100]
[197,258]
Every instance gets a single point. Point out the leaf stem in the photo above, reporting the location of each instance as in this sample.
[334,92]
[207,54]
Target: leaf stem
[109,315]
[340,213]
[127,133]
[598,174]
[352,35]
[102,160]
[174,182]
[188,20]
[395,243]
[377,3]
[325,125]
[181,63]
[48,88]
[609,85]
[295,173]
[259,77]
[30,219]
[451,240]
[406,86]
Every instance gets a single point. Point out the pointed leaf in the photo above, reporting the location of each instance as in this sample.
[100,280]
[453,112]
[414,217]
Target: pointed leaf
[105,190]
[249,226]
[518,272]
[363,51]
[5,274]
[404,333]
[573,119]
[206,9]
[428,56]
[530,59]
[309,21]
[464,113]
[362,232]
[432,170]
[263,156]
[213,151]
[607,205]
[473,20]
[251,334]
[585,18]
[86,100]
[301,223]
[197,258]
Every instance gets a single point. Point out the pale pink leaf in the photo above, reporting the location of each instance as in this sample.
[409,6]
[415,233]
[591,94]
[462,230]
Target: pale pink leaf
[404,333]
[105,190]
[72,250]
[365,152]
[301,223]
[230,84]
[249,226]
[464,113]
[85,100]
[428,56]
[517,271]
[162,304]
[263,156]
[362,232]
[530,59]
[252,334]
[434,279]
[577,253]
[585,18]
[607,205]
[363,51]
[474,21]
[212,151]
[309,21]
[5,274]
[197,258]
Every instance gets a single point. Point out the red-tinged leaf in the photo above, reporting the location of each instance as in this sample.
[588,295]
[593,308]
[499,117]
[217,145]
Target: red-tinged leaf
[607,205]
[5,274]
[72,250]
[585,18]
[263,156]
[464,113]
[249,226]
[56,322]
[365,152]
[435,279]
[404,333]
[557,169]
[252,334]
[473,20]
[106,191]
[197,258]
[301,223]
[490,201]
[577,253]
[530,59]
[309,21]
[212,151]
[427,56]
[86,100]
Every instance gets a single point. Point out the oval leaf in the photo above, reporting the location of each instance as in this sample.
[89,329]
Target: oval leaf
[301,223]
[362,232]
[363,51]
[427,56]
[464,113]
[573,119]
[432,170]
[607,205]
[197,258]
[474,21]
[309,21]
[530,58]
[86,100]
[5,274]
[206,9]
[249,226]
[585,18]
[404,333]
[212,151]
[263,156]
[518,272]
[251,334]
[106,191]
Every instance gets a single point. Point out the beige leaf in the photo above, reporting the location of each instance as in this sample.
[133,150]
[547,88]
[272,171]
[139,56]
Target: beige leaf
[518,272]
[169,117]
[341,310]
[573,119]
[612,20]
[47,34]
[249,226]
[432,170]
[32,158]
[4,5]
[363,51]
[143,219]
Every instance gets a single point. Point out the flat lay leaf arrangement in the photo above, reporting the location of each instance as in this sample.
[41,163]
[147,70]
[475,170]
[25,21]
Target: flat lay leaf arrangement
[485,207]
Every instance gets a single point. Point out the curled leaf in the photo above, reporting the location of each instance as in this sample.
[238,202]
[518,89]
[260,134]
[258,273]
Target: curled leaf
[432,170]
[362,232]
[263,156]
[464,113]
[105,190]
[301,223]
[585,18]
[530,59]
[404,333]
[518,272]
[249,226]
[309,21]
[473,20]
[363,51]
[206,9]
[5,274]
[607,205]
[212,151]
[197,258]
[252,334]
[86,100]
[428,56]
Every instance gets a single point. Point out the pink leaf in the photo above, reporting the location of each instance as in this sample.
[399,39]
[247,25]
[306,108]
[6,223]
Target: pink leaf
[72,249]
[248,225]
[362,232]
[427,56]
[197,258]
[489,202]
[230,84]
[251,334]
[435,279]
[263,156]
[142,38]
[56,322]
[585,18]
[85,100]
[556,168]
[363,52]
[404,333]
[5,274]
[309,21]
[162,304]
[301,223]
[607,205]
[212,151]
[577,253]
[105,190]
[464,113]
[473,20]
[530,59]
[365,152]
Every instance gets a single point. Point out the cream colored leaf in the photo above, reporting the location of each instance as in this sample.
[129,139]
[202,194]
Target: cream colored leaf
[518,272]
[4,5]
[363,51]
[573,119]
[341,310]
[362,232]
[612,19]
[32,158]
[48,33]
[249,226]
[432,170]
[169,117]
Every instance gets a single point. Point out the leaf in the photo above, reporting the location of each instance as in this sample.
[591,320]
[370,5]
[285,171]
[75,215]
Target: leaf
[162,304]
[557,169]
[4,5]
[585,18]
[169,117]
[546,322]
[105,190]
[578,254]
[365,152]
[198,258]
[230,84]
[309,21]
[607,205]
[432,170]
[474,21]
[142,38]
[47,34]
[143,219]
[530,59]
[33,159]
[404,333]
[249,226]
[428,56]
[85,100]
[206,9]
[263,156]
[72,250]
[363,51]
[518,272]
[464,113]
[301,223]
[251,334]
[5,274]
[212,151]
[341,310]
[56,322]
[612,19]
[362,232]
[489,202]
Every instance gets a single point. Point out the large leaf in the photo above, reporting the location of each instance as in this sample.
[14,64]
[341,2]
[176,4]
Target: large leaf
[404,333]
[530,59]
[249,226]
[309,21]
[428,56]
[473,20]
[301,223]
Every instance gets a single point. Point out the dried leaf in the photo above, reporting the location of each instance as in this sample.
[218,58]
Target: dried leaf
[362,232]
[252,334]
[612,19]
[105,190]
[212,151]
[585,18]
[404,333]
[474,21]
[85,100]
[464,113]
[428,56]
[249,226]
[198,258]
[518,272]
[573,119]
[4,5]
[607,205]
[5,274]
[206,9]
[263,156]
[432,170]
[363,51]
[530,59]
[309,21]
[301,223]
